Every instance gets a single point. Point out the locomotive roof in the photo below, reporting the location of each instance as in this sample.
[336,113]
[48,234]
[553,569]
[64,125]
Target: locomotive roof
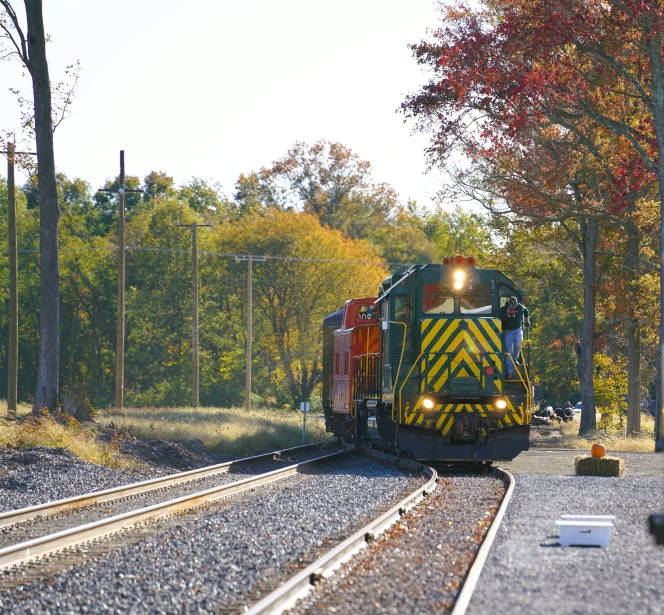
[399,276]
[334,319]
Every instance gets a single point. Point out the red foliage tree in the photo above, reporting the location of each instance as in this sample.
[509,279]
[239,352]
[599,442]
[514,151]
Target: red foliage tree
[561,105]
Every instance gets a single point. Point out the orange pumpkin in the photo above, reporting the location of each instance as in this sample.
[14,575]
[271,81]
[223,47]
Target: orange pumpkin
[598,450]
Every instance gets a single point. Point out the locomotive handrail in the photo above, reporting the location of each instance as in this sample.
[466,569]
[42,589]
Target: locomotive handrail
[529,392]
[403,351]
[366,375]
[403,385]
[525,383]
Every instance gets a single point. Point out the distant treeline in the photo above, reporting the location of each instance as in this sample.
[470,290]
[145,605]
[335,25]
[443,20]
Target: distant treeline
[313,208]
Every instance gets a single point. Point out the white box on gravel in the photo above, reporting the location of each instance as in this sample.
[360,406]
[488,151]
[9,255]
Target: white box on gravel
[585,530]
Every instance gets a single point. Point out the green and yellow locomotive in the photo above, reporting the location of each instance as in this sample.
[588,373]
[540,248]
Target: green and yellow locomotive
[422,369]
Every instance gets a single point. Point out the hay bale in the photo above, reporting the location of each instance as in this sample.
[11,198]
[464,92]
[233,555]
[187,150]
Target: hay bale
[585,465]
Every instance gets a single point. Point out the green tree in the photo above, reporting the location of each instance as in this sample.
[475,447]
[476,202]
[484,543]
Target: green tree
[326,180]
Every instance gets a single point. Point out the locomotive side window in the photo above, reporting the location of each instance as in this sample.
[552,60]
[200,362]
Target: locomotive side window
[403,308]
[505,293]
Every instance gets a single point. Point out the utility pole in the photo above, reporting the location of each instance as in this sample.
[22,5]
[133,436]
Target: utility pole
[250,309]
[194,311]
[12,380]
[119,355]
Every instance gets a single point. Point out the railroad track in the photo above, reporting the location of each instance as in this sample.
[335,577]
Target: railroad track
[301,583]
[16,522]
[58,551]
[287,595]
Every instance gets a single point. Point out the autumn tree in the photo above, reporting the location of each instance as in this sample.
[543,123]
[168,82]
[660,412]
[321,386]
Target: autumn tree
[29,45]
[313,270]
[527,88]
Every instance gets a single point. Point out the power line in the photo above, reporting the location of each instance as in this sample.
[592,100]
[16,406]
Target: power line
[233,255]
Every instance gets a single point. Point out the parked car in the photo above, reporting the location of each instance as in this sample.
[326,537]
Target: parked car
[577,408]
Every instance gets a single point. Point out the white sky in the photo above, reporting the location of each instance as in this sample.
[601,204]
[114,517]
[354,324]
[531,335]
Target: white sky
[213,88]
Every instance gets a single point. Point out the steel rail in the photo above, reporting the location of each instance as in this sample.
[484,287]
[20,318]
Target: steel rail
[299,585]
[22,552]
[473,576]
[115,493]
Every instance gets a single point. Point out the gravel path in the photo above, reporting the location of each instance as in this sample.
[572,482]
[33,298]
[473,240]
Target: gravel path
[561,461]
[527,571]
[416,567]
[214,560]
[13,534]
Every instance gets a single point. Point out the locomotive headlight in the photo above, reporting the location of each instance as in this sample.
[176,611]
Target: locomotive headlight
[459,279]
[500,404]
[428,403]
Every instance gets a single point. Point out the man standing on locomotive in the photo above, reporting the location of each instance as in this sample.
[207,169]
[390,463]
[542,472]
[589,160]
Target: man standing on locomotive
[512,316]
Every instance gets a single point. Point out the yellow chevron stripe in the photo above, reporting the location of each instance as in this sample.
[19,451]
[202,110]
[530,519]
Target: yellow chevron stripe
[444,416]
[432,334]
[463,356]
[448,425]
[441,381]
[434,370]
[462,336]
[488,326]
[454,325]
[472,325]
[426,323]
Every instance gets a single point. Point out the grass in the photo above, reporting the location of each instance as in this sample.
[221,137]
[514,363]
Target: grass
[59,432]
[222,430]
[613,437]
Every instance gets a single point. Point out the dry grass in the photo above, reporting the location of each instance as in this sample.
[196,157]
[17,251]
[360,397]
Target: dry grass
[599,466]
[223,430]
[613,438]
[65,432]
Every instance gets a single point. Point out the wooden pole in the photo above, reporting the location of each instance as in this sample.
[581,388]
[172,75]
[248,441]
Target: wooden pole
[119,357]
[194,314]
[120,344]
[195,380]
[247,402]
[12,382]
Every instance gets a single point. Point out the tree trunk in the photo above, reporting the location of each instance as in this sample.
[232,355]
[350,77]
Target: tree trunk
[46,395]
[586,347]
[653,43]
[633,336]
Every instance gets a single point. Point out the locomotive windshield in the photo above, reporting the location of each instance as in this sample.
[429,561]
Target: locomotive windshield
[437,299]
[476,305]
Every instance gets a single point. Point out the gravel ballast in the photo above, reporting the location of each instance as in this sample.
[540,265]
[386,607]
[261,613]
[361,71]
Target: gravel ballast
[528,572]
[41,526]
[416,567]
[39,475]
[202,565]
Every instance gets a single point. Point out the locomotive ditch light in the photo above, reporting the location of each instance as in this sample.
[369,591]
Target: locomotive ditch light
[500,404]
[428,403]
